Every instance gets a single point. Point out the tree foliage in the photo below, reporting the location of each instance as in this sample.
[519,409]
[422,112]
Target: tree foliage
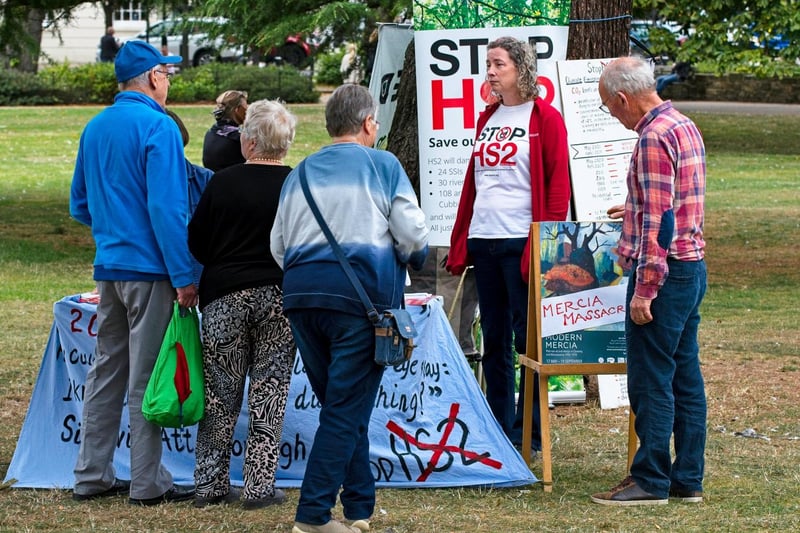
[21,26]
[726,37]
[435,14]
[323,22]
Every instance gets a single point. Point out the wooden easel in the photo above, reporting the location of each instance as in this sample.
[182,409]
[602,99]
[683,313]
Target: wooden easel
[535,364]
[545,371]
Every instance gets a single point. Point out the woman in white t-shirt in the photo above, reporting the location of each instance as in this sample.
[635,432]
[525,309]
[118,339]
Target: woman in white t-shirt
[518,173]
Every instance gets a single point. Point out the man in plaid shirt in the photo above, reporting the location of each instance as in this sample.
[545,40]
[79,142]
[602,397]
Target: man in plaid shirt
[662,243]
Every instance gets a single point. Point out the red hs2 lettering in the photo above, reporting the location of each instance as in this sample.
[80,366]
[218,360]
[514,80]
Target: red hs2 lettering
[494,149]
[448,56]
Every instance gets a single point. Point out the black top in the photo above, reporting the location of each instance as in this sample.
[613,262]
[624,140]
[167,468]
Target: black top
[108,48]
[221,146]
[229,232]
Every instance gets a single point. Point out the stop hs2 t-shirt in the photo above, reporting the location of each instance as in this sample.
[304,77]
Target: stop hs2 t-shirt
[502,206]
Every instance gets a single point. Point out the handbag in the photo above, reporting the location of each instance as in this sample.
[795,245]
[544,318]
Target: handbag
[175,395]
[394,328]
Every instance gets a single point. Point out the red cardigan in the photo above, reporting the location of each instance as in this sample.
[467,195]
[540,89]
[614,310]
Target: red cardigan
[550,184]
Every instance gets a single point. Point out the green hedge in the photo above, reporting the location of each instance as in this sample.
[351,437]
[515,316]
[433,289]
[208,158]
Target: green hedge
[23,88]
[95,84]
[326,68]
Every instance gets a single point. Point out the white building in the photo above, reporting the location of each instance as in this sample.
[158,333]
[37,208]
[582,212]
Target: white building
[82,36]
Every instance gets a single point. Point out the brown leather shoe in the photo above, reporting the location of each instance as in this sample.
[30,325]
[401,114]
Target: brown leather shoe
[627,493]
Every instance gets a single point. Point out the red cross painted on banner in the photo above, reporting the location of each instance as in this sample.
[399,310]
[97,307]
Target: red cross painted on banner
[442,446]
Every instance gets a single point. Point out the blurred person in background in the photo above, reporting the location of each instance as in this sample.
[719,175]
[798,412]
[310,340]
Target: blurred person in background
[197,179]
[221,147]
[109,46]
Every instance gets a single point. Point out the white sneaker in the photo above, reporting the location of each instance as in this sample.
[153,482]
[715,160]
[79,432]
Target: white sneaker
[361,525]
[333,526]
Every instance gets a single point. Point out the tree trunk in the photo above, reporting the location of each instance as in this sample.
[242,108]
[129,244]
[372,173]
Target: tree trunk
[594,40]
[403,138]
[108,12]
[29,55]
[605,38]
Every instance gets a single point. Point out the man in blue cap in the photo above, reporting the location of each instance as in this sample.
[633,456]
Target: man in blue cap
[129,186]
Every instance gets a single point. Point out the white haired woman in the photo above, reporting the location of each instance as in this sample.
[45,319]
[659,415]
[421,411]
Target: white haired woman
[245,333]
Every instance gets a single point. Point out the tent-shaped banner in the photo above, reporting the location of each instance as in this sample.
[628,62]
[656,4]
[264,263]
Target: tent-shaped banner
[431,426]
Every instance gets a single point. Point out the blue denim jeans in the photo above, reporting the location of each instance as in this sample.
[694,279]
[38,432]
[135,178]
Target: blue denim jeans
[503,302]
[665,385]
[338,352]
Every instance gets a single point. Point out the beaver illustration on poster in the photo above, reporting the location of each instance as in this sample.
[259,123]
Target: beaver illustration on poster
[568,278]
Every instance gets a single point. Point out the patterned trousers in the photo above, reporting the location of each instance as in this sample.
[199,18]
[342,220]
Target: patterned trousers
[245,334]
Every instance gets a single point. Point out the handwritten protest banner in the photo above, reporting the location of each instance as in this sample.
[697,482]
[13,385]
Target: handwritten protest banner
[431,426]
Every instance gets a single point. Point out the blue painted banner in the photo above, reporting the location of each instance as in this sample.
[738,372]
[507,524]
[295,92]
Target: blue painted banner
[431,426]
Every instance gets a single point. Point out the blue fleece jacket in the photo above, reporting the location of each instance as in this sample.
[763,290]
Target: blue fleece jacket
[367,200]
[130,187]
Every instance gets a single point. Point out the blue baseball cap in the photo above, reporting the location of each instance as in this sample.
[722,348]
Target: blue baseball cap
[136,57]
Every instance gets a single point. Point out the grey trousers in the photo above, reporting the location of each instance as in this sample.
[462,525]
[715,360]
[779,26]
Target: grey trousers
[132,318]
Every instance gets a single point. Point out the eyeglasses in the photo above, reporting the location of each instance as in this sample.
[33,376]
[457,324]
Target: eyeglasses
[166,73]
[603,107]
[377,124]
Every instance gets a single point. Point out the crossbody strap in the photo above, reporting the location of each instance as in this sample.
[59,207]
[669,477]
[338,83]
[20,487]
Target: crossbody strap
[372,313]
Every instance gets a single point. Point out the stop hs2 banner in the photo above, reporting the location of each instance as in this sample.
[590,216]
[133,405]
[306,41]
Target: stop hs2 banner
[451,92]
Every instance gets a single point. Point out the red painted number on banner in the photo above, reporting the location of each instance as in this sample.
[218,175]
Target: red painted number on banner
[77,315]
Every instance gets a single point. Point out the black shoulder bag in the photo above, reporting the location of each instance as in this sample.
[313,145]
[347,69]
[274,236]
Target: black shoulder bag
[394,328]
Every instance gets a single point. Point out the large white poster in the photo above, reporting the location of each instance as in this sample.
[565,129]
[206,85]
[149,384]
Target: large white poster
[600,146]
[451,92]
[393,39]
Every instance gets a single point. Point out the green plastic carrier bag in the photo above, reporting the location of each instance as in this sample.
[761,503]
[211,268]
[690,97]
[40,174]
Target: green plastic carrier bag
[174,396]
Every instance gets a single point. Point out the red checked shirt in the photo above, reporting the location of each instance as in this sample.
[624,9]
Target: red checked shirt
[666,190]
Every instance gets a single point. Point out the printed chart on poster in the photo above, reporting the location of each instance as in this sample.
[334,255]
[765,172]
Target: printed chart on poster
[600,146]
[451,92]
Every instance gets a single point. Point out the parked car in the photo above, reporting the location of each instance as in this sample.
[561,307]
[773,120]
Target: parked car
[775,42]
[643,44]
[295,51]
[202,48]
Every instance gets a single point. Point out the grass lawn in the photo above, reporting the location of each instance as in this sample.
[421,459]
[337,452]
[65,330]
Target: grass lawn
[750,349]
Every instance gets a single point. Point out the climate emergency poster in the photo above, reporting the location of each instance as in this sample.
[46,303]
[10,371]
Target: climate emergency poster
[451,92]
[600,146]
